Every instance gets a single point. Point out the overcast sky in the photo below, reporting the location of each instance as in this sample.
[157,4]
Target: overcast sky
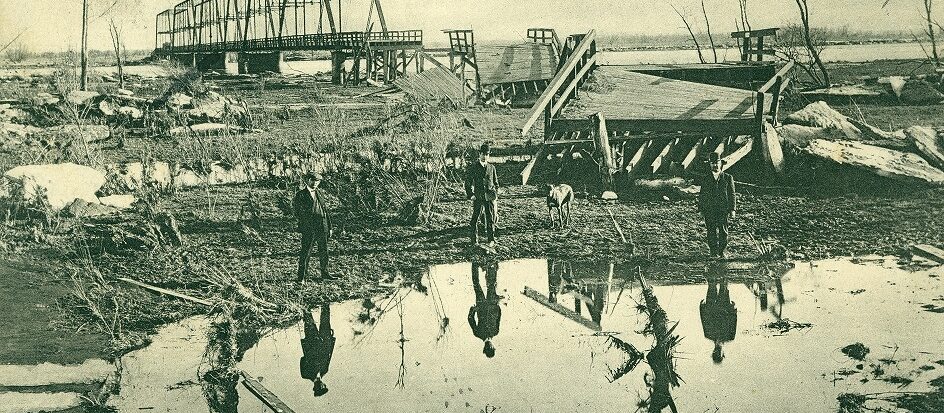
[55,24]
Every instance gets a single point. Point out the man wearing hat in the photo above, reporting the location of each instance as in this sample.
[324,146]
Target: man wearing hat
[314,224]
[717,203]
[481,185]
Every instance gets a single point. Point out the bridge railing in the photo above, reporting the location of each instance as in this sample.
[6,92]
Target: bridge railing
[324,41]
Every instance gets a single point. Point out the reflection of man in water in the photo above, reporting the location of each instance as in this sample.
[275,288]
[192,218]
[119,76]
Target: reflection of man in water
[718,314]
[317,348]
[485,315]
[557,272]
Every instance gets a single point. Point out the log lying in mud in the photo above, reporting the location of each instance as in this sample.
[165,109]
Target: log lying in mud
[928,143]
[165,291]
[889,163]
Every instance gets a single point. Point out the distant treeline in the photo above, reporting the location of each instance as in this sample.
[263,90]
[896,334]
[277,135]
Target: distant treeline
[842,35]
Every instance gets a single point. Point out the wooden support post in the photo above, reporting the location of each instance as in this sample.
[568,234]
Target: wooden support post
[601,139]
[775,101]
[660,158]
[693,153]
[526,172]
[637,157]
[760,48]
[720,148]
[759,118]
[746,49]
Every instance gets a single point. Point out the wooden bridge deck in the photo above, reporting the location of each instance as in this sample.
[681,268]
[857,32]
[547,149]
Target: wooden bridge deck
[623,94]
[523,62]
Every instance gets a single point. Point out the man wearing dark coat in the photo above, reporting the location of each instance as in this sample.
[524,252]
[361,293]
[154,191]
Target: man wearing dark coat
[485,315]
[317,349]
[313,223]
[718,313]
[717,202]
[481,185]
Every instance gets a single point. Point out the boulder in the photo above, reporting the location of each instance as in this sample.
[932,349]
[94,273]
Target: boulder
[131,112]
[928,143]
[57,184]
[107,107]
[889,163]
[179,100]
[118,201]
[895,83]
[609,196]
[83,209]
[821,115]
[46,98]
[124,92]
[215,106]
[81,97]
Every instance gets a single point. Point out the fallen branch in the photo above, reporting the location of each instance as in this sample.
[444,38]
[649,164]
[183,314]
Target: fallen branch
[616,225]
[167,292]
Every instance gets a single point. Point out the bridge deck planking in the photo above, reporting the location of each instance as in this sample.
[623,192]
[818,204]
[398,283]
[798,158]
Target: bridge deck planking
[630,95]
[516,63]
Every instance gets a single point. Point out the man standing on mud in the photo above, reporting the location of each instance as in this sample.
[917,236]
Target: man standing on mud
[317,349]
[314,224]
[717,203]
[481,185]
[485,315]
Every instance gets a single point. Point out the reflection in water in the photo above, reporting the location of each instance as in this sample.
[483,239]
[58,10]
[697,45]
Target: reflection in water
[317,349]
[485,315]
[661,357]
[718,313]
[228,340]
[761,290]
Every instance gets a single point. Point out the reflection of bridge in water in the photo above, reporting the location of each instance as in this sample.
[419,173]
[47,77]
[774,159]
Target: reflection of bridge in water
[250,36]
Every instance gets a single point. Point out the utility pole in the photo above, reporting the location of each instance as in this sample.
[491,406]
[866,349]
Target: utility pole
[83,80]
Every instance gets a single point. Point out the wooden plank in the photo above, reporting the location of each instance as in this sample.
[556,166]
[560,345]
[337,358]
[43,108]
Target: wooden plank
[637,157]
[700,127]
[657,163]
[693,153]
[564,311]
[558,81]
[167,292]
[738,154]
[928,251]
[264,395]
[783,73]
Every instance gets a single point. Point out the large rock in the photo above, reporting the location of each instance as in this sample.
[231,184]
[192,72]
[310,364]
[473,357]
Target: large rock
[58,184]
[902,166]
[81,97]
[215,106]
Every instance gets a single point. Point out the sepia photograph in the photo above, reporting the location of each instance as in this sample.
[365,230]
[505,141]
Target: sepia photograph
[290,206]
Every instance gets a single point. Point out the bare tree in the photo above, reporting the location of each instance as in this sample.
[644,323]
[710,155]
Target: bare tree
[933,26]
[711,39]
[119,51]
[745,22]
[701,57]
[812,48]
[83,79]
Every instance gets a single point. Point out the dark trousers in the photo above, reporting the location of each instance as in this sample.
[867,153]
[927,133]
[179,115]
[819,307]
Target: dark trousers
[308,240]
[488,207]
[717,225]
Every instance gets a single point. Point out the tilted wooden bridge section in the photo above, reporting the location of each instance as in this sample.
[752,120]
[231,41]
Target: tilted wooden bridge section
[640,124]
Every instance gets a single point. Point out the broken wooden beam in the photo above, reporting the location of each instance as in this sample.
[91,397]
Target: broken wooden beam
[557,82]
[167,292]
[928,251]
[264,395]
[564,311]
[738,154]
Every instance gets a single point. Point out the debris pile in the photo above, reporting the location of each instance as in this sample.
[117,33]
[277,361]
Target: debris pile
[914,155]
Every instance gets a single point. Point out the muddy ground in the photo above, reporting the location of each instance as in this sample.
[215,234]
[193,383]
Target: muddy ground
[371,248]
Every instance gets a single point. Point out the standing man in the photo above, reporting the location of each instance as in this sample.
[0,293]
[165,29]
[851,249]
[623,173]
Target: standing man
[717,203]
[314,224]
[317,349]
[481,185]
[485,315]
